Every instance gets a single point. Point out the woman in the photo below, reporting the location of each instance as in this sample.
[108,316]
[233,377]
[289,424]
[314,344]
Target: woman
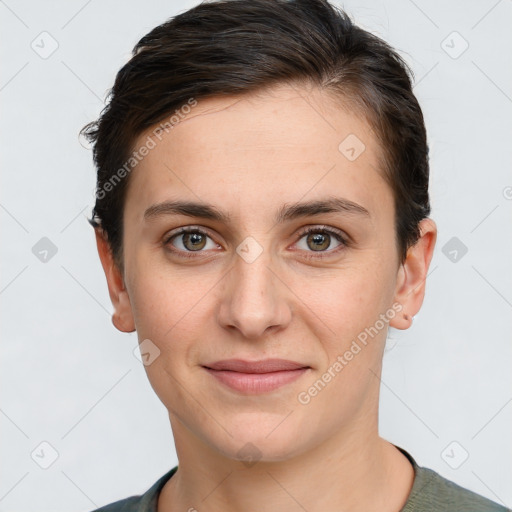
[262,218]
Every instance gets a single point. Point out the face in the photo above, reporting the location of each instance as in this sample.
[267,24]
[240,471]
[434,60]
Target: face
[260,228]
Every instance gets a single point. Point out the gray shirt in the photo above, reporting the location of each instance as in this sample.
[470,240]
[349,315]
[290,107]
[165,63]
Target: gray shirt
[430,493]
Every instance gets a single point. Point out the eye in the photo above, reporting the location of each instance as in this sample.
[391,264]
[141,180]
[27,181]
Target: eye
[189,240]
[318,239]
[321,240]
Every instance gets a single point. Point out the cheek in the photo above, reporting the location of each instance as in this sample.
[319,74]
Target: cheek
[168,311]
[164,303]
[352,336]
[348,300]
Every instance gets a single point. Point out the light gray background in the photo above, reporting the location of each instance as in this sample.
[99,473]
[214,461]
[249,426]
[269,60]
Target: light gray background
[71,380]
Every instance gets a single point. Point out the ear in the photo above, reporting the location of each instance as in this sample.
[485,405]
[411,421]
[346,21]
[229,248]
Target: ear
[122,317]
[412,274]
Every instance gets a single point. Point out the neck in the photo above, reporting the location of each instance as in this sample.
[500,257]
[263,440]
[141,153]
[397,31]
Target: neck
[349,472]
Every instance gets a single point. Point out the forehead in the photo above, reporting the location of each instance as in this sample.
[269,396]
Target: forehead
[275,145]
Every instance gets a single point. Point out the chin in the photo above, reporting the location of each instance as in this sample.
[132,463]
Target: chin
[257,450]
[262,439]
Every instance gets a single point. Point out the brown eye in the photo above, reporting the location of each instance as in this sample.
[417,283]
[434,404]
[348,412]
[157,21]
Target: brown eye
[322,241]
[194,241]
[190,240]
[318,241]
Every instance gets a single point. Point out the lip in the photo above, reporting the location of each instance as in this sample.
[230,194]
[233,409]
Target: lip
[255,377]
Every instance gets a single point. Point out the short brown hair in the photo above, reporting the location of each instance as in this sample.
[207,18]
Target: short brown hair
[226,47]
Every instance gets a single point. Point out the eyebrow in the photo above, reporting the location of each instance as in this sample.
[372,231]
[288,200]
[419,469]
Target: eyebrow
[285,213]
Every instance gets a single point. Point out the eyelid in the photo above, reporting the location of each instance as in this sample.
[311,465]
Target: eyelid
[340,235]
[168,237]
[185,229]
[322,228]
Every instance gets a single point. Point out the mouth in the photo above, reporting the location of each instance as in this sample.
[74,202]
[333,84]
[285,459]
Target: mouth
[256,377]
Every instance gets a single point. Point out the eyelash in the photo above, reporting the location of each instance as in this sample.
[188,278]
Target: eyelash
[337,234]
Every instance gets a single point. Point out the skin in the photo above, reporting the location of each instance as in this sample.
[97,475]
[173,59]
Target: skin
[249,156]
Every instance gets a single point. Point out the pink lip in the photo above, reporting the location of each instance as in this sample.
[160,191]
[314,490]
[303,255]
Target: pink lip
[254,377]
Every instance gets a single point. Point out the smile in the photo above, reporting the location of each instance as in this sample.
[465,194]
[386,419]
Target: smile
[256,377]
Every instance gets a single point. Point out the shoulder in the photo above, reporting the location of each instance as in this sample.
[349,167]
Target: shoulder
[127,505]
[438,493]
[146,502]
[432,492]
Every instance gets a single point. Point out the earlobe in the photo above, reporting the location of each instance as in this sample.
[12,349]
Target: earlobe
[412,275]
[122,318]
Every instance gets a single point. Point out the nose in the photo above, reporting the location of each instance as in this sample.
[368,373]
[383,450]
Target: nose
[255,300]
